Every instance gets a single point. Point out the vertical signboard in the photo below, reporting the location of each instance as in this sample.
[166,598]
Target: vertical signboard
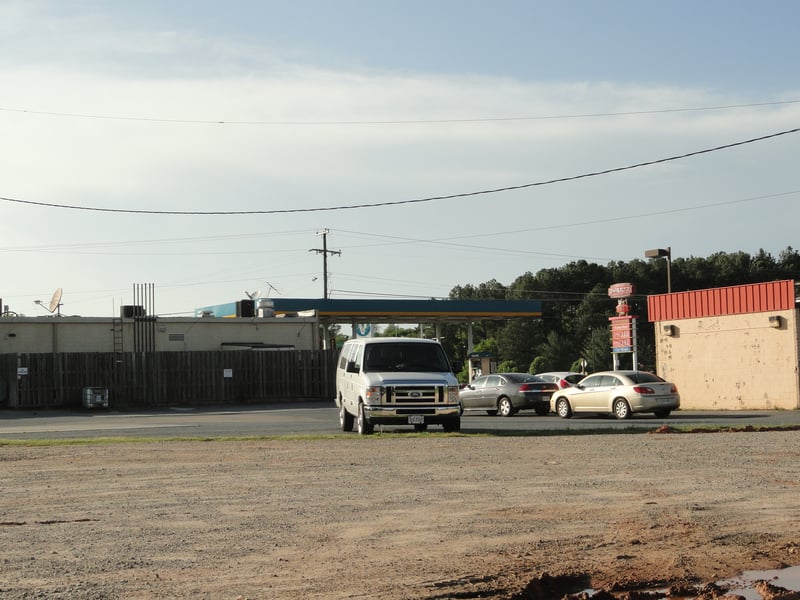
[623,337]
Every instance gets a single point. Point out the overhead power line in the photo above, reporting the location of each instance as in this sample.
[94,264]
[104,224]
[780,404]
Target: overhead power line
[413,201]
[391,121]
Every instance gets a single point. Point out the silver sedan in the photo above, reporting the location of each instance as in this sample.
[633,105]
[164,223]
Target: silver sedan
[620,393]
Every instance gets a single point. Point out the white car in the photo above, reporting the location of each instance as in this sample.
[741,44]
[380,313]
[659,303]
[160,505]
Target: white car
[564,379]
[620,393]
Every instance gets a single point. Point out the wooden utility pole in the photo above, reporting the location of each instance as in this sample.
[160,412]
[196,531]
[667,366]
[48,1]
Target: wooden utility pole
[324,251]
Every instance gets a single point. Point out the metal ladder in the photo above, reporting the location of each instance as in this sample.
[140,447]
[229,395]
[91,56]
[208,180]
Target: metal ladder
[117,334]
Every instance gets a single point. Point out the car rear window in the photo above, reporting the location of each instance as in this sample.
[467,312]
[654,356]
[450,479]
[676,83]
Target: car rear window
[642,377]
[523,378]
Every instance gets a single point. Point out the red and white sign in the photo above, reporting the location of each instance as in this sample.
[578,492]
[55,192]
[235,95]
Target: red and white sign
[621,290]
[623,332]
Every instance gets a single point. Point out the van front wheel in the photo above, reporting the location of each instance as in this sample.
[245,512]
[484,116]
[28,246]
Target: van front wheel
[452,426]
[345,418]
[364,426]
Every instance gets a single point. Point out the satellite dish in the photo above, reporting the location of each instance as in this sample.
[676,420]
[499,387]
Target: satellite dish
[55,301]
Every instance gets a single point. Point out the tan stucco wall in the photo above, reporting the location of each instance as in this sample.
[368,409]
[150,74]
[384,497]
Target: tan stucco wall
[732,362]
[89,334]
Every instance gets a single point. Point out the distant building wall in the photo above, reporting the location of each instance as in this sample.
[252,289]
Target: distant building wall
[94,334]
[732,348]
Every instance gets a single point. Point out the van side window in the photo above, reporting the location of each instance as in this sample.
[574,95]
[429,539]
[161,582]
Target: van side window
[358,356]
[343,357]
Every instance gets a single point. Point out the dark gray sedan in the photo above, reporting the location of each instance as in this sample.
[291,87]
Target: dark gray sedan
[507,393]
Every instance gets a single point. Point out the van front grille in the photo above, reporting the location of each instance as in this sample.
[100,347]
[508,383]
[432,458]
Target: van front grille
[415,394]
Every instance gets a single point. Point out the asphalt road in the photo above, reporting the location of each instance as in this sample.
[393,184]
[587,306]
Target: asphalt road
[322,419]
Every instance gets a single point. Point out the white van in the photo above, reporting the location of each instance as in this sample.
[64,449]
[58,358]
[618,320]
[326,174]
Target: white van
[396,381]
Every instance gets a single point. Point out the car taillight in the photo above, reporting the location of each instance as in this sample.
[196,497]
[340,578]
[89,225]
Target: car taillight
[563,384]
[674,389]
[643,389]
[533,387]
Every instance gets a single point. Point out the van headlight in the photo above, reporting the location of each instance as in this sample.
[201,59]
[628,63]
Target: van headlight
[452,394]
[373,395]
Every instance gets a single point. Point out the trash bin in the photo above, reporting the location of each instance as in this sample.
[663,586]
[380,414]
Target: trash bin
[95,397]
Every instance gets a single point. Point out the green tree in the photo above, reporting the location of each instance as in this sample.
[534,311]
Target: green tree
[397,331]
[508,366]
[789,263]
[518,339]
[538,365]
[558,352]
[597,350]
[593,312]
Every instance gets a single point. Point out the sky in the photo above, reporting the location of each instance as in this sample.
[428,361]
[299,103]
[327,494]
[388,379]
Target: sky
[202,148]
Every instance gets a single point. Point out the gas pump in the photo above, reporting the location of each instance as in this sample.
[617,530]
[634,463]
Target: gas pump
[481,363]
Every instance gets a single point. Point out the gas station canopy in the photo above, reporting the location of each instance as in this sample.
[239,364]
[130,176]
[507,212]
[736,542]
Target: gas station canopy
[407,311]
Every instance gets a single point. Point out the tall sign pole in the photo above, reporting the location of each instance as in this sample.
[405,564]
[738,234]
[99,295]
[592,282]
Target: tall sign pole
[324,251]
[623,326]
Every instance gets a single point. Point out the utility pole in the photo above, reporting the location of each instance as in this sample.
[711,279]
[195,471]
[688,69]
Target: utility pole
[324,251]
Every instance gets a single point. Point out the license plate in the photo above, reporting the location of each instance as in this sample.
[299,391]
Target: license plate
[416,420]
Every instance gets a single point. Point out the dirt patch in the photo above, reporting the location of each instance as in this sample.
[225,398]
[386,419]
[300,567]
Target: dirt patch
[432,516]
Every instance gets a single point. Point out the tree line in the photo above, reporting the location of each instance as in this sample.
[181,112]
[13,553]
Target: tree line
[576,307]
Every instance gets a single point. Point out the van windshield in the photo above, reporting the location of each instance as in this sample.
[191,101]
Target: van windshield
[405,356]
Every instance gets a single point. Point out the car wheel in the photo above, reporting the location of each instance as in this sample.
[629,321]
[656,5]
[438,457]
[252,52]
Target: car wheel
[452,425]
[420,427]
[621,409]
[364,426]
[662,414]
[563,409]
[504,407]
[345,418]
[542,410]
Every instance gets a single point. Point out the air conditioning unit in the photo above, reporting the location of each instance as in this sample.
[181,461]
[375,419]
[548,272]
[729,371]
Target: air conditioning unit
[130,311]
[95,397]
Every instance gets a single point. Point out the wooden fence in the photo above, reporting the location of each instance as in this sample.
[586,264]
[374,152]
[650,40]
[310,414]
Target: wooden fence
[160,379]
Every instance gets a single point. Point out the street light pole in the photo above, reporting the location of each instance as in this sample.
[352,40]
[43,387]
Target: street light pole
[665,252]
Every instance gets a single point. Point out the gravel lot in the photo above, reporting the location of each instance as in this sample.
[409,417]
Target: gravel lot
[396,517]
